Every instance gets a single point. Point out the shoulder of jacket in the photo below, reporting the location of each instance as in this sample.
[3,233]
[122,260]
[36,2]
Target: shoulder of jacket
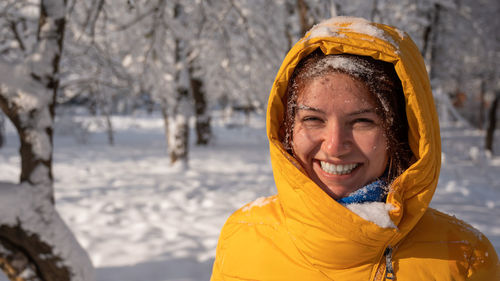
[255,244]
[263,210]
[464,242]
[444,246]
[438,227]
[451,224]
[446,232]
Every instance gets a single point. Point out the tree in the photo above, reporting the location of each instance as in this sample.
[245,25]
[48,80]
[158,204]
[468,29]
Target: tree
[35,242]
[94,65]
[229,51]
[492,124]
[2,130]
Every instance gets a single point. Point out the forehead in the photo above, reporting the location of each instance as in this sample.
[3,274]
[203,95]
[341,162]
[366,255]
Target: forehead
[334,87]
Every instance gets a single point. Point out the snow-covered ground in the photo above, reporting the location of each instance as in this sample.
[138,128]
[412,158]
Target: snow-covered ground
[142,220]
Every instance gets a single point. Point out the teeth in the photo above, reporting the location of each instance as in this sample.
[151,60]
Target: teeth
[337,169]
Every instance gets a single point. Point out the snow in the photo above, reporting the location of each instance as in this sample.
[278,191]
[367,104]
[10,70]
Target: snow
[259,202]
[140,219]
[347,64]
[15,82]
[376,212]
[334,26]
[325,31]
[401,33]
[41,143]
[39,176]
[20,205]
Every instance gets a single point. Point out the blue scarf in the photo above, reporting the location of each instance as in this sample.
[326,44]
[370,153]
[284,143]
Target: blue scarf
[373,192]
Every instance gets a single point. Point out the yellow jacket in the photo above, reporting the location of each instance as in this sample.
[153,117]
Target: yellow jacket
[303,234]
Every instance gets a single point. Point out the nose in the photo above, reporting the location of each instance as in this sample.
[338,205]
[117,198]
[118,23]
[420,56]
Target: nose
[337,140]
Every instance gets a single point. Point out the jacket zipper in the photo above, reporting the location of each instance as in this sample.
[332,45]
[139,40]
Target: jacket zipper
[385,270]
[389,271]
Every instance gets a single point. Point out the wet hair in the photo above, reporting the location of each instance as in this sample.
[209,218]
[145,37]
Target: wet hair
[383,84]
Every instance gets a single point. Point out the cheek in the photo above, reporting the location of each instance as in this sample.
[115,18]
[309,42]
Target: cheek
[301,142]
[373,144]
[380,151]
[298,137]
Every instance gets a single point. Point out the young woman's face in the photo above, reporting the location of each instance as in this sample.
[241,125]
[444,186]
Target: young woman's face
[337,136]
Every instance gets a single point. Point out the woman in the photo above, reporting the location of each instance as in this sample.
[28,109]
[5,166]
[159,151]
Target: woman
[355,148]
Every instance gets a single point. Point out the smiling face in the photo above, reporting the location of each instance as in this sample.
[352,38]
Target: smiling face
[337,135]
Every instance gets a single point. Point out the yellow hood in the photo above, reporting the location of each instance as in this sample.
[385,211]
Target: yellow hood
[315,220]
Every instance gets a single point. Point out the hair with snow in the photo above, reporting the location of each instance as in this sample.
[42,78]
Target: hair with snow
[382,82]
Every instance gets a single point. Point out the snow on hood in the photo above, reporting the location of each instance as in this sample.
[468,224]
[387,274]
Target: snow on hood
[335,26]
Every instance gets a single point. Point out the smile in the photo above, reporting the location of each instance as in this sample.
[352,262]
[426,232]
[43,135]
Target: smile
[337,169]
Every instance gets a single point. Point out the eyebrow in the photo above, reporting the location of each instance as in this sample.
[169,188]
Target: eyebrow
[361,111]
[310,108]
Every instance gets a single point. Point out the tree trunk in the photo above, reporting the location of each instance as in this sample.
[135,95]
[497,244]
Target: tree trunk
[429,50]
[14,263]
[375,13]
[28,258]
[2,130]
[36,244]
[481,105]
[34,127]
[290,8]
[203,130]
[34,121]
[303,16]
[166,125]
[336,10]
[179,143]
[492,124]
[109,129]
[107,110]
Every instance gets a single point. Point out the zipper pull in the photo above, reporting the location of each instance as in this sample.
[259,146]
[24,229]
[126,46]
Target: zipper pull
[389,271]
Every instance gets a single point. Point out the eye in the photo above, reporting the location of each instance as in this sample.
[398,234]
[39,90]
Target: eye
[364,123]
[364,120]
[311,119]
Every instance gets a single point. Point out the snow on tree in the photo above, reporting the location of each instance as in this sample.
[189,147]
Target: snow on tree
[459,41]
[35,244]
[232,48]
[94,66]
[214,45]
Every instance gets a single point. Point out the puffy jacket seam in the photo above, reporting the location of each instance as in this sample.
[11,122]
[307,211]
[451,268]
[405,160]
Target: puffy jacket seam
[238,278]
[381,44]
[221,275]
[306,259]
[368,49]
[253,223]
